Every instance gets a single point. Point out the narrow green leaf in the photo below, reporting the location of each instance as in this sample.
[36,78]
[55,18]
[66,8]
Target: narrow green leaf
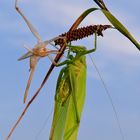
[119,26]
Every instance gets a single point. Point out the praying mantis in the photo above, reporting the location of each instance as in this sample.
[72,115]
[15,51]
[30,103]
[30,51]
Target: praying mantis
[70,94]
[37,52]
[69,98]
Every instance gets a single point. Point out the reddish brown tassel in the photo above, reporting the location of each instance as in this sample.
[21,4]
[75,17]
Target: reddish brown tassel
[81,33]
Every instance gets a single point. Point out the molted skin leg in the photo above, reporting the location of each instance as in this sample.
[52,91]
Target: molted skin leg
[32,29]
[33,62]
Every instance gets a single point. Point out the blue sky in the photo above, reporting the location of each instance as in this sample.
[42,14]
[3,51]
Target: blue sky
[116,58]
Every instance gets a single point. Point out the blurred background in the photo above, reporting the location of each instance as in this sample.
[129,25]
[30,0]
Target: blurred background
[116,57]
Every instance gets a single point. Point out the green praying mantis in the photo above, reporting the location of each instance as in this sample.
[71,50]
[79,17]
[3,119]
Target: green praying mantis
[70,94]
[69,98]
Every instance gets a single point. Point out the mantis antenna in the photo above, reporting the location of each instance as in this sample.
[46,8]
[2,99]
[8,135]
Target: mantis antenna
[107,92]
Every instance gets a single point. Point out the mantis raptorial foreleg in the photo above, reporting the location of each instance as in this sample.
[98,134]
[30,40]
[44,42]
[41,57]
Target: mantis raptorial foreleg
[79,50]
[82,49]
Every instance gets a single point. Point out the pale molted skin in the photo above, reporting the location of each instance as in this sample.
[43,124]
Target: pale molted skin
[40,50]
[37,52]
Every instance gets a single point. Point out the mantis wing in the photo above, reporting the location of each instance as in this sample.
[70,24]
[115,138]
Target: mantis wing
[69,100]
[60,109]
